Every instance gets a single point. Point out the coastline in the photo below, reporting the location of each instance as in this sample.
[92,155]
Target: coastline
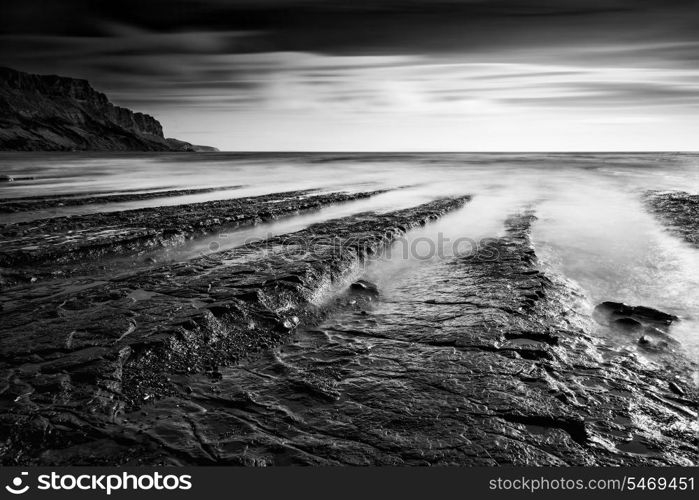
[96,373]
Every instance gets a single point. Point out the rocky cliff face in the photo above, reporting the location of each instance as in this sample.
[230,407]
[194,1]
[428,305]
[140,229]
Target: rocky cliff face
[50,113]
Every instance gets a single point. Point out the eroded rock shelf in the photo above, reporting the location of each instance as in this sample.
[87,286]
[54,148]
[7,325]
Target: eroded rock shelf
[284,351]
[66,239]
[114,346]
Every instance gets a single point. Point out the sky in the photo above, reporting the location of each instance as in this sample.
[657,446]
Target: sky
[381,75]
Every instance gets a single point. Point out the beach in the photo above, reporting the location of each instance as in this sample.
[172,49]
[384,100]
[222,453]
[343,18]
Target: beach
[349,309]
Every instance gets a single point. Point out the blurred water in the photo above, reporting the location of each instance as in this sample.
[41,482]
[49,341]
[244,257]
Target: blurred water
[592,227]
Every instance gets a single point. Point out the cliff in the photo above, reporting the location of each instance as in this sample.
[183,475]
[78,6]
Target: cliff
[55,113]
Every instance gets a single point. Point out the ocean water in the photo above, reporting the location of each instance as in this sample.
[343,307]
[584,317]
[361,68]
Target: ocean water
[592,228]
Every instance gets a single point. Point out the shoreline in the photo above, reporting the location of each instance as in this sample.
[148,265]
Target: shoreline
[117,369]
[31,203]
[65,239]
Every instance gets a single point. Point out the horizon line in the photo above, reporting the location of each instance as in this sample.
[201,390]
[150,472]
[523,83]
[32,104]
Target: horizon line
[386,151]
[676,151]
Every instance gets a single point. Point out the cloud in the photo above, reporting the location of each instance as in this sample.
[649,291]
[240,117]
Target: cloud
[339,62]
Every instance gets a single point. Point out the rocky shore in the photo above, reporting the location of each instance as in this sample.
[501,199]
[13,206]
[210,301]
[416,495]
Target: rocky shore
[76,365]
[61,240]
[284,351]
[677,210]
[31,203]
[481,359]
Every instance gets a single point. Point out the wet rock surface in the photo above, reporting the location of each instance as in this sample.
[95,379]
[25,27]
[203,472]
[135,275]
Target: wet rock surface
[240,358]
[68,239]
[678,210]
[365,287]
[620,313]
[480,360]
[44,202]
[105,373]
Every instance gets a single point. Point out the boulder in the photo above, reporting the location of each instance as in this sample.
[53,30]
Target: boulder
[610,313]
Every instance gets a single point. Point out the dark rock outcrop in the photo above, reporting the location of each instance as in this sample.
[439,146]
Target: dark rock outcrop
[494,364]
[31,203]
[678,210]
[486,358]
[365,287]
[75,367]
[55,113]
[67,239]
[631,317]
